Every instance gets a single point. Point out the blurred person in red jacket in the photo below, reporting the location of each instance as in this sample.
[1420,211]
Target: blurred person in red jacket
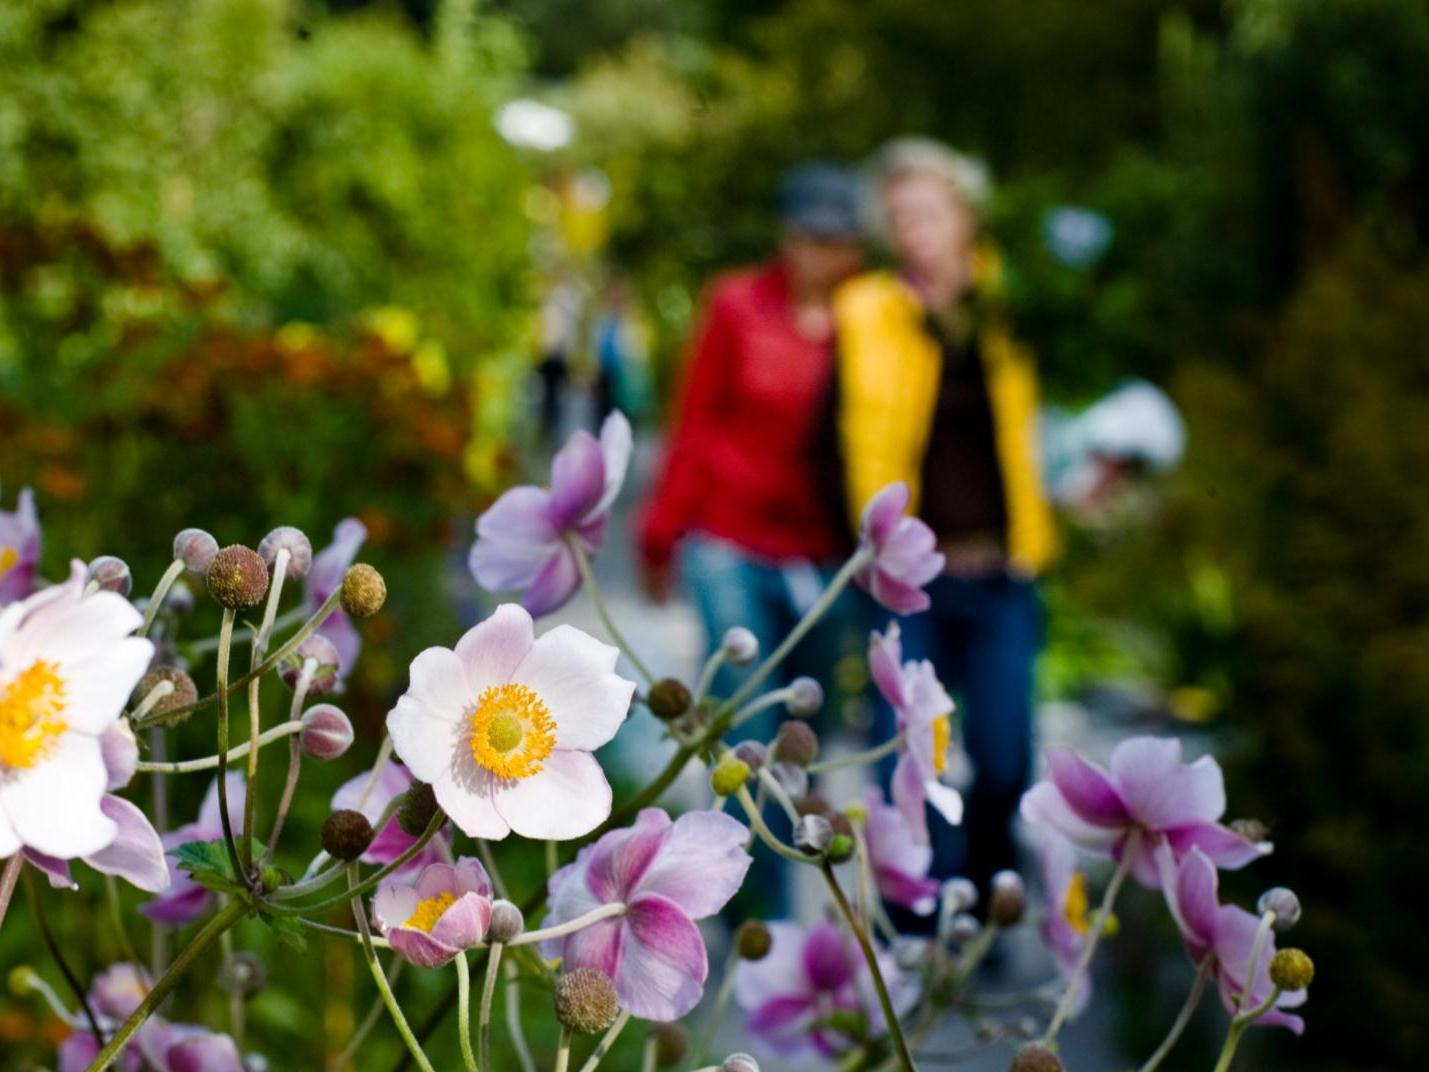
[736,504]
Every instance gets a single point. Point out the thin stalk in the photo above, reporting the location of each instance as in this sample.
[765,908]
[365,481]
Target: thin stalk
[758,704]
[1182,1018]
[371,880]
[606,1042]
[756,821]
[235,995]
[116,919]
[649,1053]
[369,1021]
[821,606]
[152,697]
[8,878]
[488,991]
[57,955]
[588,580]
[156,601]
[552,860]
[708,672]
[488,861]
[859,759]
[238,751]
[1238,1028]
[717,1011]
[384,753]
[226,917]
[1064,1007]
[159,795]
[225,645]
[1257,947]
[307,629]
[895,1029]
[295,754]
[463,1011]
[255,710]
[378,977]
[194,648]
[512,996]
[776,791]
[320,879]
[563,1050]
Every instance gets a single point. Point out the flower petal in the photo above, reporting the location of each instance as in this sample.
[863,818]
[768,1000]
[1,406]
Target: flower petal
[946,800]
[554,584]
[701,864]
[425,723]
[779,974]
[1044,804]
[514,538]
[1087,789]
[464,924]
[885,664]
[577,480]
[421,948]
[54,806]
[617,864]
[616,444]
[1226,849]
[1159,791]
[136,854]
[1194,904]
[568,798]
[663,963]
[571,672]
[57,871]
[493,648]
[467,793]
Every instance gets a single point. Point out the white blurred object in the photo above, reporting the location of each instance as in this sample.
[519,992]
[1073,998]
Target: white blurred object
[1135,424]
[530,124]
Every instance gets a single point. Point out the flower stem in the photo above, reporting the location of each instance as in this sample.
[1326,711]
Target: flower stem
[57,955]
[606,1042]
[368,1022]
[1262,932]
[371,880]
[463,1011]
[756,821]
[1240,1025]
[1183,1017]
[226,918]
[588,580]
[295,755]
[378,977]
[512,996]
[238,751]
[116,919]
[563,1050]
[717,1011]
[807,622]
[1064,1007]
[649,1054]
[255,711]
[8,878]
[758,704]
[156,601]
[225,645]
[488,990]
[159,793]
[895,1029]
[707,674]
[859,759]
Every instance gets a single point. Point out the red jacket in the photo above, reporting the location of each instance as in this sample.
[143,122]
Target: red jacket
[738,461]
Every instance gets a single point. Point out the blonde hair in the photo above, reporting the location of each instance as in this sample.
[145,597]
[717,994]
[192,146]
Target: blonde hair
[967,177]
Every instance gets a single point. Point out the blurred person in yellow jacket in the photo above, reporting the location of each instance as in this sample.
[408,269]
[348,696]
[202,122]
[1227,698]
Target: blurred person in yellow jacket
[931,389]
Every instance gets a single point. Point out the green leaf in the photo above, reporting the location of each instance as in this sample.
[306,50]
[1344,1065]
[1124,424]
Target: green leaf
[208,863]
[287,930]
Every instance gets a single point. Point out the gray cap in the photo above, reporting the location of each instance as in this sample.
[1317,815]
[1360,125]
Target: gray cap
[820,199]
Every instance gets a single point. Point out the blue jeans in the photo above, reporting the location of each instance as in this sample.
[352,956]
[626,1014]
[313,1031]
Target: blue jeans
[731,587]
[982,636]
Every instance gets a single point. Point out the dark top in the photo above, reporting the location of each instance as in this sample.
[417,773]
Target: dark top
[962,477]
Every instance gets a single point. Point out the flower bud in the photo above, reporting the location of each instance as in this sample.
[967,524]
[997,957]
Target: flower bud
[964,928]
[419,808]
[793,780]
[326,733]
[814,803]
[298,546]
[242,974]
[796,743]
[1008,900]
[363,591]
[752,753]
[740,646]
[668,699]
[586,1001]
[196,548]
[272,877]
[672,1042]
[111,574]
[184,690]
[506,922]
[1035,1059]
[345,834]
[812,834]
[237,577]
[752,939]
[806,696]
[739,1062]
[1284,904]
[841,848]
[729,776]
[960,893]
[841,823]
[1291,969]
[326,662]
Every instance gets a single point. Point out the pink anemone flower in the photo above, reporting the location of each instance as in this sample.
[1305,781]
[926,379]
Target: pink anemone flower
[904,556]
[432,917]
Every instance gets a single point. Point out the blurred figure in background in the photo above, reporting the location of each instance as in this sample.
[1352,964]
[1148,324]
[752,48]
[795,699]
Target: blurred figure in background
[557,327]
[736,502]
[933,391]
[619,344]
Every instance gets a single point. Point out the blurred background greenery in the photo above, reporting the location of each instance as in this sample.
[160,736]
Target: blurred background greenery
[268,261]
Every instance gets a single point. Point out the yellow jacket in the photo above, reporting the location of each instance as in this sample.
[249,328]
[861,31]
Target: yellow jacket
[889,370]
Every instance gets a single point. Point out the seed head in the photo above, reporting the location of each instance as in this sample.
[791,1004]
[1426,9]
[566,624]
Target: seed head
[796,743]
[346,834]
[1008,900]
[812,834]
[806,696]
[197,548]
[964,928]
[112,574]
[753,753]
[419,808]
[363,591]
[729,776]
[299,547]
[752,939]
[1035,1059]
[326,733]
[184,691]
[1284,904]
[740,646]
[793,780]
[586,1001]
[1291,969]
[237,577]
[668,699]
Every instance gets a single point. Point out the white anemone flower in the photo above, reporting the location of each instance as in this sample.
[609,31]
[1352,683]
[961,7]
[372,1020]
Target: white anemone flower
[504,726]
[67,667]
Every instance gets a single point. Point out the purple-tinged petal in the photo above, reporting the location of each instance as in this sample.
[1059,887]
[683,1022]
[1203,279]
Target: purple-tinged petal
[19,549]
[779,974]
[883,511]
[663,964]
[55,869]
[118,990]
[885,664]
[577,480]
[909,797]
[464,924]
[1226,849]
[904,556]
[891,592]
[136,854]
[599,946]
[422,949]
[622,857]
[121,754]
[185,901]
[1044,804]
[782,1022]
[1194,904]
[514,539]
[918,895]
[616,444]
[554,584]
[205,1052]
[330,564]
[1159,790]
[826,958]
[1086,788]
[701,864]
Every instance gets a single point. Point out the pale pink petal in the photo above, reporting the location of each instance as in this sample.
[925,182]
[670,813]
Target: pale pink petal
[1044,804]
[885,664]
[514,539]
[909,797]
[54,806]
[1161,792]
[1195,904]
[493,648]
[567,799]
[946,800]
[467,793]
[1226,849]
[421,948]
[121,754]
[779,974]
[701,864]
[599,946]
[577,480]
[663,962]
[57,871]
[554,583]
[464,924]
[1086,788]
[616,444]
[621,858]
[136,854]
[572,674]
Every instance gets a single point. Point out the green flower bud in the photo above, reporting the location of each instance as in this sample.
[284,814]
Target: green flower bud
[840,848]
[1291,969]
[729,776]
[753,940]
[363,591]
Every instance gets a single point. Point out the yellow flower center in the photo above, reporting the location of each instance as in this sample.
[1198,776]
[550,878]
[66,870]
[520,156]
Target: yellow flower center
[1075,905]
[511,731]
[424,917]
[31,710]
[942,738]
[8,557]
